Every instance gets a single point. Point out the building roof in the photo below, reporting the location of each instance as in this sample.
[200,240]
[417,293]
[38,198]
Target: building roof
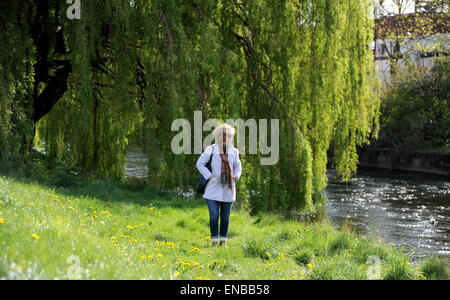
[414,24]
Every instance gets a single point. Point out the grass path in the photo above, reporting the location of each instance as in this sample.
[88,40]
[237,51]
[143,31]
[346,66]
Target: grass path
[66,226]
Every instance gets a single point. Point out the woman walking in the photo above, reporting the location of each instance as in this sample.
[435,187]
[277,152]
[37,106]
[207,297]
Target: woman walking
[220,192]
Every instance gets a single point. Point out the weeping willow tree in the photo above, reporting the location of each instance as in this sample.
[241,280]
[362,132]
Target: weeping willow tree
[82,87]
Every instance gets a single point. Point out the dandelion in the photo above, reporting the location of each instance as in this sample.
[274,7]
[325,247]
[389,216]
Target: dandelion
[176,273]
[2,221]
[194,249]
[71,208]
[199,278]
[35,236]
[159,255]
[420,275]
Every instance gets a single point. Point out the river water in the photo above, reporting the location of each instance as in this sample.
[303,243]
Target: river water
[404,208]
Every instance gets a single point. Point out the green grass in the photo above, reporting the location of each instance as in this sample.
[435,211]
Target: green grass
[435,268]
[105,230]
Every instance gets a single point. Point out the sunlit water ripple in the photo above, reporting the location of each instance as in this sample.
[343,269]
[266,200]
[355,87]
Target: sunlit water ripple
[398,206]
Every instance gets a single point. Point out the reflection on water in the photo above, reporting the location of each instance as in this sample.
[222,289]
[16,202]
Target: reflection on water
[406,209]
[398,206]
[136,164]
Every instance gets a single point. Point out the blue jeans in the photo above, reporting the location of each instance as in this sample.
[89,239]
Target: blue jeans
[216,209]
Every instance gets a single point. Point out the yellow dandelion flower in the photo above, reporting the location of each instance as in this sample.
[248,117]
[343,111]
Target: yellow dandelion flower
[159,255]
[198,278]
[35,236]
[71,208]
[2,221]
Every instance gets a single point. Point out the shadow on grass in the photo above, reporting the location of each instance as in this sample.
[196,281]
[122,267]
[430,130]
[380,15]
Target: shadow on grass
[38,169]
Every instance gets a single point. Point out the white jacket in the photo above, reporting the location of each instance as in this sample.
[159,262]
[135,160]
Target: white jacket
[214,190]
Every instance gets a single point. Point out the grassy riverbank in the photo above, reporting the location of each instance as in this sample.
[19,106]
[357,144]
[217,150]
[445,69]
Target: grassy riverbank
[55,224]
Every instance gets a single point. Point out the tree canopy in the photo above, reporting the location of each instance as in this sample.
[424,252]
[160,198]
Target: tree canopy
[82,87]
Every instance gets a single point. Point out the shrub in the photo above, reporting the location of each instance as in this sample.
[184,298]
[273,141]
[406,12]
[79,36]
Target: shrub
[416,111]
[341,242]
[304,257]
[397,267]
[435,268]
[257,248]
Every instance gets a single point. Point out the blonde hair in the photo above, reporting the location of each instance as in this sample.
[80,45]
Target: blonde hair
[223,129]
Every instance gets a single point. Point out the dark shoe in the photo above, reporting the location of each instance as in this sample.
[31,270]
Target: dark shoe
[222,243]
[214,244]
